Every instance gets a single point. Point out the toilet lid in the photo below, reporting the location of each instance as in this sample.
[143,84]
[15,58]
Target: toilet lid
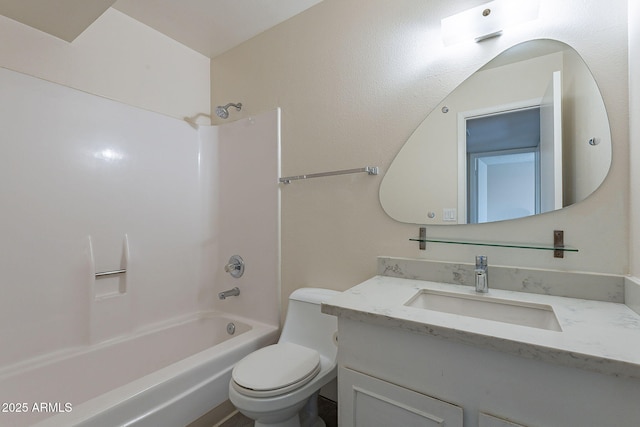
[276,367]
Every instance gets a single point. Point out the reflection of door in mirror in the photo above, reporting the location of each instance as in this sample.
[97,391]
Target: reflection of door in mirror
[551,145]
[504,185]
[427,181]
[503,168]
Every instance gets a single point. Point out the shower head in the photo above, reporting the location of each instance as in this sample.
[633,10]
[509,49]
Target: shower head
[223,112]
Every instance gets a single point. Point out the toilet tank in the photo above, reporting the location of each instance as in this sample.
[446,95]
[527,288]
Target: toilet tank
[306,325]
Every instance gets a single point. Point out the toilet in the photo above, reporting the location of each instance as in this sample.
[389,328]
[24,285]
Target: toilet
[278,385]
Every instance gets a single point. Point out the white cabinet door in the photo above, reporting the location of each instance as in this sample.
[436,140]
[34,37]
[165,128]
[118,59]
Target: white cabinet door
[366,401]
[486,420]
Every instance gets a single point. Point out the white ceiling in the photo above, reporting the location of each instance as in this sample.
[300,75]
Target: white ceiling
[210,27]
[65,19]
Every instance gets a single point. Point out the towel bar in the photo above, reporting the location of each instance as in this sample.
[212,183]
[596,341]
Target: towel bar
[371,170]
[110,273]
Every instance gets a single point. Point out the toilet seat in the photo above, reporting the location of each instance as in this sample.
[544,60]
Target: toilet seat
[276,369]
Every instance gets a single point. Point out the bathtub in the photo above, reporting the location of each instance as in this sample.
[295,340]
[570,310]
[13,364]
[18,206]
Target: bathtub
[167,375]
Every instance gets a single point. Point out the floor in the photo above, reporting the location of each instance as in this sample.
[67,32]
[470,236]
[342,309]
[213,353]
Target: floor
[327,409]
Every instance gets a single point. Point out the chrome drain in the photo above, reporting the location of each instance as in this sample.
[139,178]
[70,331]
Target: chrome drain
[231,328]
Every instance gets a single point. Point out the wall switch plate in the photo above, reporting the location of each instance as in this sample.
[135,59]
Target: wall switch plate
[449,214]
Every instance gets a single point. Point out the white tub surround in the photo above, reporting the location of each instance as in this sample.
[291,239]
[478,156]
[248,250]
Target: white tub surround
[92,186]
[592,286]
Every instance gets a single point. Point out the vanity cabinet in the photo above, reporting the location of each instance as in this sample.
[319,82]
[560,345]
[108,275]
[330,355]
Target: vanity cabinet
[389,375]
[367,401]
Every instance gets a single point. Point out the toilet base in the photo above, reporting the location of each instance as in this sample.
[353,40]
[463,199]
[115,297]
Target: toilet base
[291,423]
[320,423]
[307,417]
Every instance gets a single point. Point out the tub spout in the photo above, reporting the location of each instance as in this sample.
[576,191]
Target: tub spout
[230,293]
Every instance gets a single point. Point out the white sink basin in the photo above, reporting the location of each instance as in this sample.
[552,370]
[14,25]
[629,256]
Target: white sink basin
[485,307]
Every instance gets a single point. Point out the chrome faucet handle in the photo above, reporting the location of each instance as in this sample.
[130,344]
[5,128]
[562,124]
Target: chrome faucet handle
[231,266]
[235,267]
[481,261]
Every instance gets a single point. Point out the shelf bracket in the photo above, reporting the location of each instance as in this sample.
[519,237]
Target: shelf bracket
[423,238]
[558,243]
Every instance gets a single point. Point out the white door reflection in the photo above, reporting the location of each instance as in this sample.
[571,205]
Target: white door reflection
[504,185]
[503,165]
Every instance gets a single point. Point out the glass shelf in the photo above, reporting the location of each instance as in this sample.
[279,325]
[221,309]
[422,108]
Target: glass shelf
[497,244]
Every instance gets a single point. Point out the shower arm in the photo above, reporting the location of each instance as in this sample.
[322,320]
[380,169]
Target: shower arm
[223,111]
[237,106]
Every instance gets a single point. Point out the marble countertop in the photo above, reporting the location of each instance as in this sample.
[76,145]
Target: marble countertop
[598,336]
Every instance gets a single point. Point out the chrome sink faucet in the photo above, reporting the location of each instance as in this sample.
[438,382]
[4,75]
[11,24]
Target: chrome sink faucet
[481,273]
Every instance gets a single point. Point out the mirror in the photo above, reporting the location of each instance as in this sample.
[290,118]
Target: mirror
[527,133]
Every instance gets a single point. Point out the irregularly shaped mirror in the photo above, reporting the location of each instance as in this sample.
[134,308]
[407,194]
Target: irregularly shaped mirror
[528,133]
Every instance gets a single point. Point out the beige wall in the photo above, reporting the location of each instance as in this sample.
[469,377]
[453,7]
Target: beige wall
[584,117]
[354,78]
[118,58]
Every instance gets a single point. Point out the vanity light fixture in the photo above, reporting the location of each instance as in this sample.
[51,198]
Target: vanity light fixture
[487,20]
